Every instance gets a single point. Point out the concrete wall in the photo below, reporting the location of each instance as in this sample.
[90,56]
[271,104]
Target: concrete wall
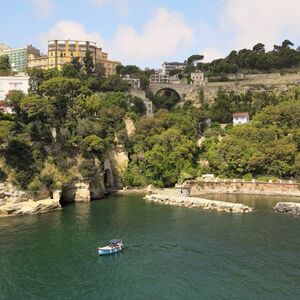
[244,187]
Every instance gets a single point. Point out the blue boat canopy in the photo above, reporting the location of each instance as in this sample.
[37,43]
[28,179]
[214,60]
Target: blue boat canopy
[115,241]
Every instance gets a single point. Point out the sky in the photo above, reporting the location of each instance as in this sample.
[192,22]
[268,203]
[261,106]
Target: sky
[149,32]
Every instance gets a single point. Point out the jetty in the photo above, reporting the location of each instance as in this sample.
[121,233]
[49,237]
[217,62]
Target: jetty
[193,202]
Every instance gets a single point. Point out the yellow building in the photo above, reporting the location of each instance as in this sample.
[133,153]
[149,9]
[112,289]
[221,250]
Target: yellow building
[40,62]
[62,51]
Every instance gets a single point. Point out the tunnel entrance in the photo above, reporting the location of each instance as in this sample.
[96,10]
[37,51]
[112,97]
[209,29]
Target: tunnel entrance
[108,179]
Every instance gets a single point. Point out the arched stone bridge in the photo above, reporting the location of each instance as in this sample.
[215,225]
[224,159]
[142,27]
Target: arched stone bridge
[180,89]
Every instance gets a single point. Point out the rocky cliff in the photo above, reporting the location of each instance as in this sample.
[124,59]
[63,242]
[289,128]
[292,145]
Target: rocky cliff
[14,202]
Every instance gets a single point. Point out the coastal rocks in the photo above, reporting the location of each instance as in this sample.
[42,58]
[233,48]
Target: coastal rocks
[288,208]
[192,202]
[78,192]
[31,207]
[82,192]
[9,193]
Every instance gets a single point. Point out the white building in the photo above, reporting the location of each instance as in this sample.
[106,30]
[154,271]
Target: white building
[134,83]
[170,66]
[241,118]
[198,79]
[13,83]
[149,107]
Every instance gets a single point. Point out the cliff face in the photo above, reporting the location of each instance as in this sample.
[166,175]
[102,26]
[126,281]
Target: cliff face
[118,161]
[14,202]
[84,191]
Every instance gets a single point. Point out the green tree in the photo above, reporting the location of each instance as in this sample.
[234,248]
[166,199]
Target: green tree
[14,99]
[5,67]
[88,63]
[6,130]
[72,69]
[194,59]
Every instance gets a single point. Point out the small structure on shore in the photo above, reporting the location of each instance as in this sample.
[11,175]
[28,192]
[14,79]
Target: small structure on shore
[183,190]
[240,118]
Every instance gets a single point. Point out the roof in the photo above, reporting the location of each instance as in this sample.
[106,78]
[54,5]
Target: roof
[115,241]
[174,63]
[241,115]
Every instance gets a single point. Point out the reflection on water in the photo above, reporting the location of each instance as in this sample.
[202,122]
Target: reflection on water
[256,201]
[170,252]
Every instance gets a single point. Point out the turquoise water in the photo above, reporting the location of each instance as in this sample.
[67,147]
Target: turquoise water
[171,252]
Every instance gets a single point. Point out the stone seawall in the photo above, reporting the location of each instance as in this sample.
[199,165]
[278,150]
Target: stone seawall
[244,187]
[288,208]
[193,202]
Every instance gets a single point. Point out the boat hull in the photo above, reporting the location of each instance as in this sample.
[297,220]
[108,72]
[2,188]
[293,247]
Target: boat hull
[109,251]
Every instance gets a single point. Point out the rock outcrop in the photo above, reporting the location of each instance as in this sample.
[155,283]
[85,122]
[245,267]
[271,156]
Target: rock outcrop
[288,208]
[9,193]
[192,202]
[31,207]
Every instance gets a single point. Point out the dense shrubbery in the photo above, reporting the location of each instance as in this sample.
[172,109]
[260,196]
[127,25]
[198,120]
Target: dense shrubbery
[226,103]
[61,122]
[255,60]
[64,128]
[163,150]
[267,146]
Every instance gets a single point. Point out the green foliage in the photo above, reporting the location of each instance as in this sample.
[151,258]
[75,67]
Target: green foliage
[137,106]
[87,169]
[136,72]
[5,67]
[195,59]
[115,83]
[163,150]
[88,63]
[256,60]
[72,69]
[166,99]
[94,144]
[14,99]
[18,156]
[50,177]
[269,146]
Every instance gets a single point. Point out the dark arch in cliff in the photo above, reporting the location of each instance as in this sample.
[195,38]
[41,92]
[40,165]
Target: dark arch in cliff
[108,179]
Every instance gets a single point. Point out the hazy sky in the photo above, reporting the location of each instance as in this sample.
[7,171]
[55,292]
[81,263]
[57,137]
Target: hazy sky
[148,32]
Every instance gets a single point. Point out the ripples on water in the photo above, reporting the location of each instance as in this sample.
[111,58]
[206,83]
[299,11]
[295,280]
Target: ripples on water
[170,252]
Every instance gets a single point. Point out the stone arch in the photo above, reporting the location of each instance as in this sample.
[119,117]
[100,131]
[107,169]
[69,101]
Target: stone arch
[170,90]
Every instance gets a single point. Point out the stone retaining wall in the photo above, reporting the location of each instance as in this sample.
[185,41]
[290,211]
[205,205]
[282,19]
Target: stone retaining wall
[244,187]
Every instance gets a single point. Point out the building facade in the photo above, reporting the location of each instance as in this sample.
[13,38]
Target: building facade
[241,118]
[3,47]
[170,66]
[13,83]
[198,79]
[134,83]
[61,52]
[18,57]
